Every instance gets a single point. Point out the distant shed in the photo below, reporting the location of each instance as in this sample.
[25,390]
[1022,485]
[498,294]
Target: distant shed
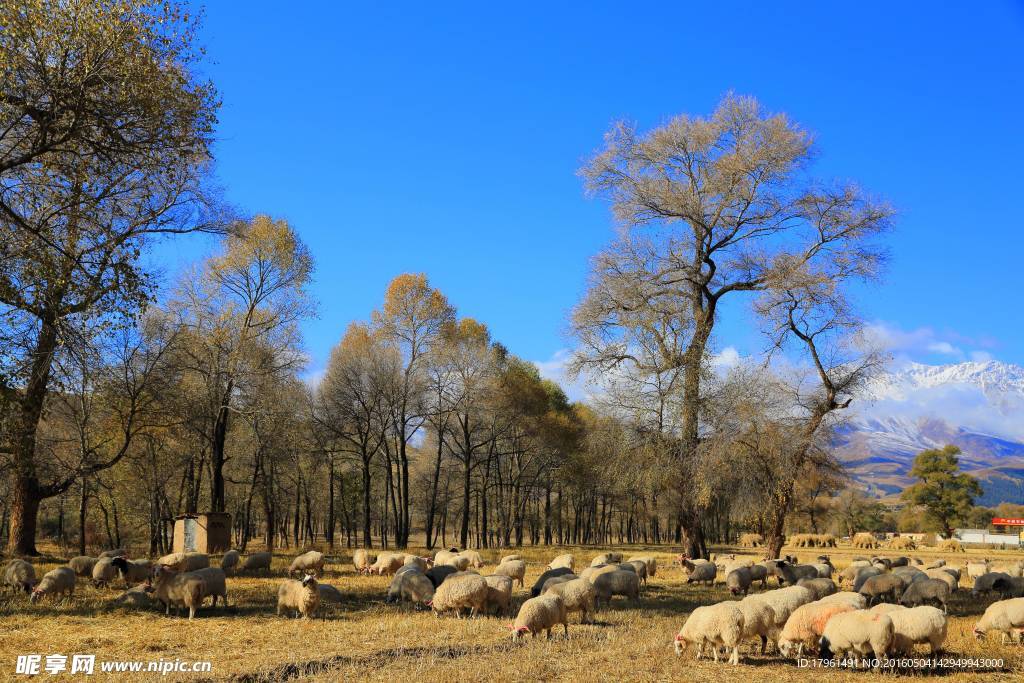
[205,532]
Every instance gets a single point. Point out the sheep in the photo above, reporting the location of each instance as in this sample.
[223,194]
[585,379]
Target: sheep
[824,569]
[818,587]
[499,594]
[577,594]
[256,561]
[1013,570]
[132,571]
[172,587]
[328,593]
[591,573]
[758,619]
[460,590]
[638,567]
[388,563]
[421,563]
[863,575]
[860,632]
[942,575]
[902,543]
[918,625]
[883,588]
[185,562]
[541,613]
[549,574]
[1005,617]
[791,573]
[215,583]
[864,540]
[951,545]
[783,601]
[410,584]
[82,565]
[566,561]
[515,569]
[718,625]
[806,625]
[616,583]
[438,573]
[302,596]
[1009,588]
[509,558]
[703,572]
[855,600]
[924,592]
[983,584]
[104,572]
[651,562]
[475,561]
[59,581]
[564,578]
[19,575]
[886,608]
[362,560]
[442,556]
[976,569]
[606,558]
[910,574]
[230,561]
[936,564]
[137,597]
[116,552]
[309,562]
[759,572]
[460,562]
[738,581]
[751,540]
[849,574]
[901,561]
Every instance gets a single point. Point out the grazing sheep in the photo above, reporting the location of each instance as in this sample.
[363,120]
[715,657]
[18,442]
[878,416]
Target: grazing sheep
[185,562]
[902,543]
[499,594]
[443,556]
[565,561]
[412,585]
[421,563]
[256,562]
[863,575]
[651,562]
[388,563]
[818,587]
[849,574]
[475,560]
[758,619]
[1005,617]
[1009,588]
[181,589]
[942,574]
[783,601]
[855,600]
[515,569]
[59,581]
[606,558]
[302,596]
[328,593]
[910,574]
[824,569]
[459,591]
[883,588]
[215,584]
[564,578]
[984,583]
[951,545]
[116,552]
[82,565]
[935,564]
[104,572]
[230,561]
[860,632]
[616,583]
[791,573]
[538,614]
[577,594]
[886,608]
[759,572]
[507,558]
[751,540]
[460,562]
[864,540]
[439,572]
[928,591]
[19,575]
[638,567]
[738,581]
[549,574]
[132,571]
[591,573]
[309,562]
[136,597]
[702,572]
[806,625]
[918,625]
[719,625]
[901,561]
[362,560]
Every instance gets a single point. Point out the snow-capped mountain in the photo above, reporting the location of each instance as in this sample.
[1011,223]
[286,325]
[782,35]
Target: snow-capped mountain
[976,406]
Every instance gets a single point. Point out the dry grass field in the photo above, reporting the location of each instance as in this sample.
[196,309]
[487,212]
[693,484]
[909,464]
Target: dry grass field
[366,639]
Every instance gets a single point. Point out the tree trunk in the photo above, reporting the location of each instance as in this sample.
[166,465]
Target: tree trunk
[466,483]
[367,532]
[220,434]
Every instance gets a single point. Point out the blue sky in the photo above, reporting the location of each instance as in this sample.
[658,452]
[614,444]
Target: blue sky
[444,138]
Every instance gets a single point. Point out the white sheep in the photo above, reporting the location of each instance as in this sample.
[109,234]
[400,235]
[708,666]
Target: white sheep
[650,561]
[230,561]
[410,584]
[362,560]
[738,580]
[591,573]
[214,584]
[442,556]
[104,571]
[806,625]
[311,562]
[387,563]
[256,562]
[475,560]
[606,558]
[976,569]
[459,591]
[132,571]
[942,575]
[758,619]
[185,562]
[302,596]
[19,575]
[855,600]
[515,569]
[421,563]
[783,601]
[638,567]
[59,581]
[176,588]
[566,560]
[614,583]
[918,625]
[541,613]
[1004,616]
[859,632]
[499,594]
[82,565]
[137,597]
[460,562]
[719,625]
[506,558]
[577,594]
[886,608]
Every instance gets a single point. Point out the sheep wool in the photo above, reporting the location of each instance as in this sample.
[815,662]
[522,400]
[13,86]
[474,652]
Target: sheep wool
[104,571]
[421,563]
[855,600]
[475,560]
[538,614]
[362,560]
[256,561]
[935,591]
[136,597]
[719,625]
[614,583]
[132,571]
[443,556]
[918,625]
[650,561]
[577,594]
[566,561]
[606,558]
[312,561]
[738,581]
[499,594]
[388,563]
[19,575]
[806,625]
[591,573]
[1004,616]
[515,569]
[703,572]
[412,585]
[508,558]
[861,633]
[116,552]
[181,589]
[976,569]
[942,575]
[82,565]
[59,581]
[549,574]
[301,596]
[185,562]
[819,588]
[460,591]
[758,619]
[328,593]
[230,561]
[783,601]
[638,567]
[886,608]
[214,584]
[883,588]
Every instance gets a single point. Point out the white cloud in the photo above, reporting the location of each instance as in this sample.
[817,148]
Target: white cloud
[554,369]
[944,348]
[981,356]
[727,359]
[925,343]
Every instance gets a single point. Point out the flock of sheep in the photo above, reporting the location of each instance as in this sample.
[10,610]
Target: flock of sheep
[881,606]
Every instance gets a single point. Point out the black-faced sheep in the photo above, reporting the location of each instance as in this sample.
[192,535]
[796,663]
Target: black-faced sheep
[549,574]
[301,596]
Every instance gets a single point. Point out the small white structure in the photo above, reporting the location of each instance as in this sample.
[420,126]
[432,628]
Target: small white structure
[970,536]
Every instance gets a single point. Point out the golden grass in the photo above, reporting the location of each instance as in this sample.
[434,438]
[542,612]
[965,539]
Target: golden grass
[366,639]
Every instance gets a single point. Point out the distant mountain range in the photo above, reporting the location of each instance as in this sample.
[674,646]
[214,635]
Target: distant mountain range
[976,406]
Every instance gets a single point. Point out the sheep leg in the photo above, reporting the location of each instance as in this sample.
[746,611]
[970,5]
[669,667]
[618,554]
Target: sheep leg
[566,625]
[735,658]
